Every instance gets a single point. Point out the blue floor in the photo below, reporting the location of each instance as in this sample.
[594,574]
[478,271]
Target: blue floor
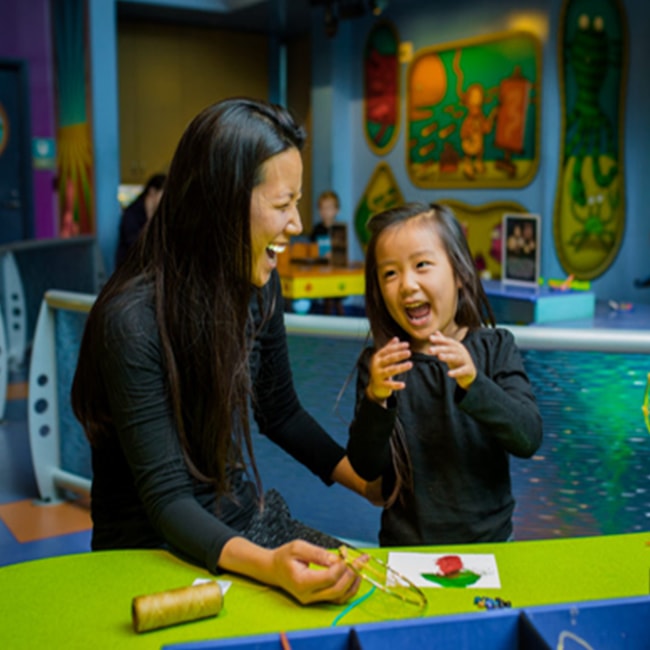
[591,476]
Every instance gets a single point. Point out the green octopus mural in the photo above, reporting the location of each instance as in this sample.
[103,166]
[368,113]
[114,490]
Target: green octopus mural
[589,215]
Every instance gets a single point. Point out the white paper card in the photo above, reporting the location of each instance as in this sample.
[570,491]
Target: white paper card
[478,571]
[224,584]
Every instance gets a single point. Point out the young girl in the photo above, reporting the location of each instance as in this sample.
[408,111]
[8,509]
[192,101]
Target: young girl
[442,399]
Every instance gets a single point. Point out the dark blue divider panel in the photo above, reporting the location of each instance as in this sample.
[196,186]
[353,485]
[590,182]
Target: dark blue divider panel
[75,449]
[620,624]
[597,625]
[73,264]
[67,264]
[589,477]
[498,630]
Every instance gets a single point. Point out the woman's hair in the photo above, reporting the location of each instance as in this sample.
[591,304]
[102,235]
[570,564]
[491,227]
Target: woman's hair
[473,308]
[196,254]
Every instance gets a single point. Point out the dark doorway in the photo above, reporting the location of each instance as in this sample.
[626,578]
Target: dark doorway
[16,211]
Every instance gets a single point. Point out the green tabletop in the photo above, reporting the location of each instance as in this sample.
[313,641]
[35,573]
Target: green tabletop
[81,601]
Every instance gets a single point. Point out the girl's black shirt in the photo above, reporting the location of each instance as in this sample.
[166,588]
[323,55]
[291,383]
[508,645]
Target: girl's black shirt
[459,443]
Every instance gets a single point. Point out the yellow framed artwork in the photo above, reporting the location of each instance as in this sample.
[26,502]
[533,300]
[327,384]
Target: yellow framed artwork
[473,113]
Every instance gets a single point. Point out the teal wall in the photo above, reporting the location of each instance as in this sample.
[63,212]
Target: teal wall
[343,160]
[102,20]
[341,157]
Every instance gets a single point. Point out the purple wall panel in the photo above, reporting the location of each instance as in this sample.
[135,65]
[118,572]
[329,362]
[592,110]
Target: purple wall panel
[25,33]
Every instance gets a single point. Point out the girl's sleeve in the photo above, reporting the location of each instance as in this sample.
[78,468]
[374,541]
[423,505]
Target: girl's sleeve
[133,377]
[501,397]
[278,411]
[370,431]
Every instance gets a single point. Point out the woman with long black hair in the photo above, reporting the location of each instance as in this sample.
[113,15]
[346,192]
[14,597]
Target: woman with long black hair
[186,334]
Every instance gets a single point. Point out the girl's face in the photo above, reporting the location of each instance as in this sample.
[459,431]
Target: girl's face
[417,281]
[274,212]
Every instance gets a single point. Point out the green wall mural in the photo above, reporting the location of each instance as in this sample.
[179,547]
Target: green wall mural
[381,193]
[381,88]
[472,112]
[589,215]
[74,140]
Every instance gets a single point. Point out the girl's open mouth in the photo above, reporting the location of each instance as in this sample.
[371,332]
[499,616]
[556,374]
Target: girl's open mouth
[418,313]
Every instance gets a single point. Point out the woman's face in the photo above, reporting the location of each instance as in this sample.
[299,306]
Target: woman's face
[274,212]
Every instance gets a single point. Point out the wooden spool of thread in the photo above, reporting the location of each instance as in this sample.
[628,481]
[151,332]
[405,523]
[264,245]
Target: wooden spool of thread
[166,608]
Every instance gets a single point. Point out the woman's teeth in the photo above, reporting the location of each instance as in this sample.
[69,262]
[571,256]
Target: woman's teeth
[276,249]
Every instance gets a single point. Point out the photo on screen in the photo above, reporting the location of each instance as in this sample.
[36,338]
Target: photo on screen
[520,249]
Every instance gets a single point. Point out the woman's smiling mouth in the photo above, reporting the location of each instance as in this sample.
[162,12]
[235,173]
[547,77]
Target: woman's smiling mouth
[272,250]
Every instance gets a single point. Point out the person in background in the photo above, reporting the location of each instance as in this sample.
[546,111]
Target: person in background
[137,214]
[184,337]
[443,399]
[328,209]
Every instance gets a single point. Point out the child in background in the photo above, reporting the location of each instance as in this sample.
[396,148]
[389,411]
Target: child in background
[442,398]
[328,209]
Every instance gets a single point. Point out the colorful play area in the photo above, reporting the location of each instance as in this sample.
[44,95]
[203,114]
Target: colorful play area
[529,120]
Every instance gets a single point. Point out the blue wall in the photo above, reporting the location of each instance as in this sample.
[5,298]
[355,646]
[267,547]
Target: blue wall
[341,157]
[347,163]
[102,21]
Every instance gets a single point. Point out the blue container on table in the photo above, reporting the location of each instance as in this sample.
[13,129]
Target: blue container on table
[621,624]
[494,630]
[618,624]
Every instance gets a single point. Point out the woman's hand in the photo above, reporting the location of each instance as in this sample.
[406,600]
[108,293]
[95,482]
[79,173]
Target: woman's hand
[456,356]
[309,573]
[331,580]
[387,362]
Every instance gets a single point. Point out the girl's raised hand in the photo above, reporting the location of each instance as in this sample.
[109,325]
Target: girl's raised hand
[456,356]
[391,360]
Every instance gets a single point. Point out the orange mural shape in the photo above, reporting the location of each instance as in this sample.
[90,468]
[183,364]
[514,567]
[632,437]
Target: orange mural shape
[427,86]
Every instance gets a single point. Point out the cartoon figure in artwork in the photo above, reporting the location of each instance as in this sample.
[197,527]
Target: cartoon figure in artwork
[589,215]
[476,124]
[590,133]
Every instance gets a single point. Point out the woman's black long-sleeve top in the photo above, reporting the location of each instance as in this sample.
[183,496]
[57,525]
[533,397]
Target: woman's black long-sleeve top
[142,492]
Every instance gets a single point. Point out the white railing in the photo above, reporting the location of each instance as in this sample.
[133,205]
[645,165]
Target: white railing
[45,432]
[528,337]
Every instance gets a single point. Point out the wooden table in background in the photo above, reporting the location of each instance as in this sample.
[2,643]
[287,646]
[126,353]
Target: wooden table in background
[322,281]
